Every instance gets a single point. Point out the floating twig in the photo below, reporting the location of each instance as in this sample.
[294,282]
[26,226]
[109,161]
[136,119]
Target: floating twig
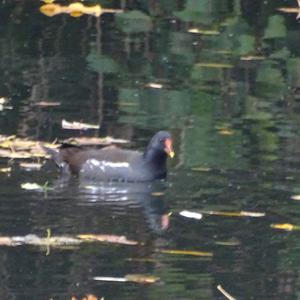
[226,294]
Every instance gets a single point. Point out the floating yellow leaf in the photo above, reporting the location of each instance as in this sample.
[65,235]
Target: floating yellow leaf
[31,186]
[235,213]
[231,242]
[214,65]
[78,125]
[3,100]
[186,252]
[157,194]
[5,170]
[203,31]
[107,238]
[154,85]
[296,197]
[226,131]
[75,9]
[295,10]
[140,278]
[31,166]
[5,138]
[50,9]
[284,226]
[47,103]
[10,154]
[76,13]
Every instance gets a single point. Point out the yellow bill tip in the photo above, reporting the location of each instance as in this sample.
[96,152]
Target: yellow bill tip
[172,154]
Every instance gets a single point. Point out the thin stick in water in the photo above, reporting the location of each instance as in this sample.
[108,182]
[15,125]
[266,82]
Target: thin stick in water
[227,295]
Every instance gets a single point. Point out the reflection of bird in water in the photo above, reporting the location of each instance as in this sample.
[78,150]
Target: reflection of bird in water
[138,206]
[115,164]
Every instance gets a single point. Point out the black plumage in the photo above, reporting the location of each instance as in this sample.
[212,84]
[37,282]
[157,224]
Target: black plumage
[113,163]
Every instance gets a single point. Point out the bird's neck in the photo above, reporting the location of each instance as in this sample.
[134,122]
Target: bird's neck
[155,157]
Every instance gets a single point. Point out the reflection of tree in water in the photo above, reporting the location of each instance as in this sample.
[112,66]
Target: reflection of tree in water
[244,77]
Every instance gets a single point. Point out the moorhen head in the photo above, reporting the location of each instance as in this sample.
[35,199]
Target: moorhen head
[112,163]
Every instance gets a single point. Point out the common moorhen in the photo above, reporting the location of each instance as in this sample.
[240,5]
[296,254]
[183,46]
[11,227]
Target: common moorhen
[112,163]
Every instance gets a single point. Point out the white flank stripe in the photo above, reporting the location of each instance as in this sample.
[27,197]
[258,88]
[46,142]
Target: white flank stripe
[104,164]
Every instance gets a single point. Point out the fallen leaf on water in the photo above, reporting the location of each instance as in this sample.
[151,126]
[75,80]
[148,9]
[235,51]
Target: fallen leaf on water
[32,239]
[31,186]
[231,242]
[296,197]
[201,169]
[114,279]
[75,9]
[226,131]
[154,85]
[5,138]
[3,100]
[6,241]
[137,278]
[3,104]
[214,65]
[191,214]
[157,194]
[186,252]
[31,166]
[59,241]
[5,170]
[78,125]
[15,148]
[295,10]
[86,141]
[47,103]
[248,58]
[235,213]
[88,297]
[10,154]
[203,31]
[285,226]
[140,278]
[107,238]
[18,144]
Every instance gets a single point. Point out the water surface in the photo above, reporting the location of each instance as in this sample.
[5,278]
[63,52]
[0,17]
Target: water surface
[224,79]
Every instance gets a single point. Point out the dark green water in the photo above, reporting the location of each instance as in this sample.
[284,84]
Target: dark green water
[228,75]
